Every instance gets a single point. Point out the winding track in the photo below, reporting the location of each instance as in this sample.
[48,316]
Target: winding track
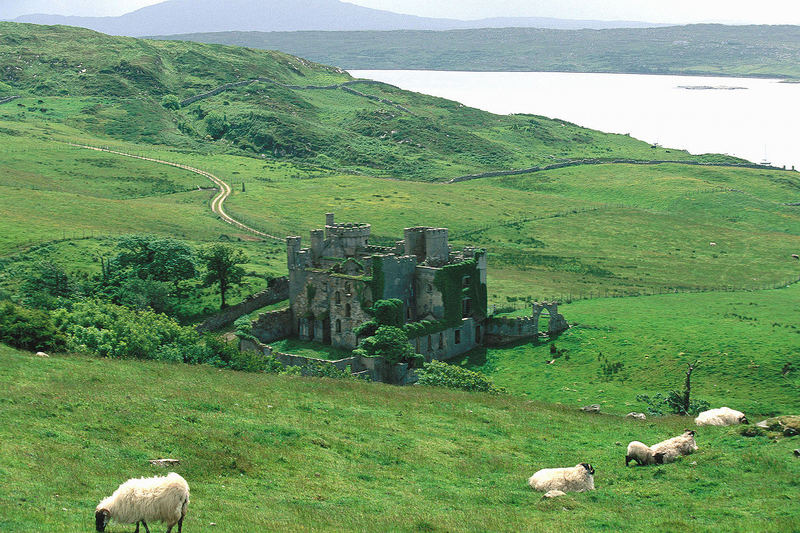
[216,203]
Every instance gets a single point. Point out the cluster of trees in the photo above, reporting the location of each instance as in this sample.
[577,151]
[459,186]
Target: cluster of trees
[146,273]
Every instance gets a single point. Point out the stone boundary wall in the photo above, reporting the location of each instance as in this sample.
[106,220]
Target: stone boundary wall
[277,290]
[8,99]
[375,367]
[531,170]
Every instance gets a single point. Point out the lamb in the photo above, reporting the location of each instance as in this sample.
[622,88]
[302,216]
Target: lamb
[579,478]
[643,454]
[676,446]
[158,499]
[724,416]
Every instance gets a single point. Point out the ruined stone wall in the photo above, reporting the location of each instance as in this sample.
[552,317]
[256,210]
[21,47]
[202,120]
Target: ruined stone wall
[398,282]
[375,367]
[273,326]
[502,330]
[429,300]
[277,290]
[443,346]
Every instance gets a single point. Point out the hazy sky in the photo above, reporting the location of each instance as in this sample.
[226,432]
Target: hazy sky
[763,11]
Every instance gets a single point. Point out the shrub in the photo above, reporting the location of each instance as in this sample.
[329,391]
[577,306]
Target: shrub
[439,374]
[29,329]
[114,331]
[388,312]
[391,343]
[672,403]
[170,101]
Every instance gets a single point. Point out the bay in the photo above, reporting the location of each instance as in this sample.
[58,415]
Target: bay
[756,119]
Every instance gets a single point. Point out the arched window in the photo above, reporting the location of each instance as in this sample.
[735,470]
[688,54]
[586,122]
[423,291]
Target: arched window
[348,288]
[338,298]
[347,310]
[338,326]
[441,340]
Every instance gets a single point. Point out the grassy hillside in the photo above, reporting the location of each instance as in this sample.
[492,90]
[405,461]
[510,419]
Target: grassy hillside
[710,49]
[115,87]
[289,454]
[748,344]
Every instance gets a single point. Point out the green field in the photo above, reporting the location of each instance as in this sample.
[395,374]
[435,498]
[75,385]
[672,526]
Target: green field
[698,49]
[748,344]
[290,454]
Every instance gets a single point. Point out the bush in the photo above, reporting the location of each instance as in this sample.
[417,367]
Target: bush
[439,374]
[391,343]
[29,329]
[170,101]
[388,312]
[672,403]
[114,331]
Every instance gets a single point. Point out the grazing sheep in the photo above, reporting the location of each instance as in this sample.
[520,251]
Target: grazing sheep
[724,416]
[579,478]
[643,454]
[157,499]
[676,446]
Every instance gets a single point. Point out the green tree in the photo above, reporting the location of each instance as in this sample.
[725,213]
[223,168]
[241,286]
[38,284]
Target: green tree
[222,267]
[47,285]
[170,101]
[157,258]
[217,125]
[391,343]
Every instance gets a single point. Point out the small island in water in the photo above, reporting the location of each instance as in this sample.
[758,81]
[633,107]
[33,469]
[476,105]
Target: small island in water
[711,88]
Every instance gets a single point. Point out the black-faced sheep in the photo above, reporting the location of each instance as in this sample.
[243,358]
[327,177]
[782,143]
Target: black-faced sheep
[643,454]
[155,499]
[724,416]
[676,446]
[578,478]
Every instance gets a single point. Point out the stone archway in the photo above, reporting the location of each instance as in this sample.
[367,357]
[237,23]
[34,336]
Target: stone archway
[556,323]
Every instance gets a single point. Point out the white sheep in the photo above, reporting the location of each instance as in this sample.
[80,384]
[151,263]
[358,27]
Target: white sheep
[724,416]
[676,446]
[157,499]
[643,454]
[578,478]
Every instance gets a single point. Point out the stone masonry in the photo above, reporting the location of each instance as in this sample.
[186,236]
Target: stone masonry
[335,281]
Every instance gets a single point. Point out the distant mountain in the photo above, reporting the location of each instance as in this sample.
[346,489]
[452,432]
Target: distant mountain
[202,16]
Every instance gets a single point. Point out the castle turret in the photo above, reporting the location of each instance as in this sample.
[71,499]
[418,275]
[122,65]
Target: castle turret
[437,249]
[292,248]
[317,245]
[415,242]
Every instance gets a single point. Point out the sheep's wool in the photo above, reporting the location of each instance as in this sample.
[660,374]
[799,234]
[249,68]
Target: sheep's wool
[641,453]
[676,447]
[724,416]
[156,499]
[574,479]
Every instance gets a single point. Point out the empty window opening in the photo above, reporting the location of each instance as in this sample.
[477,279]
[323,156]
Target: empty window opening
[347,310]
[458,336]
[338,326]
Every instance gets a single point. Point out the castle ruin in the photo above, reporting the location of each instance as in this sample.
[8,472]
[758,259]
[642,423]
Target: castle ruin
[334,283]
